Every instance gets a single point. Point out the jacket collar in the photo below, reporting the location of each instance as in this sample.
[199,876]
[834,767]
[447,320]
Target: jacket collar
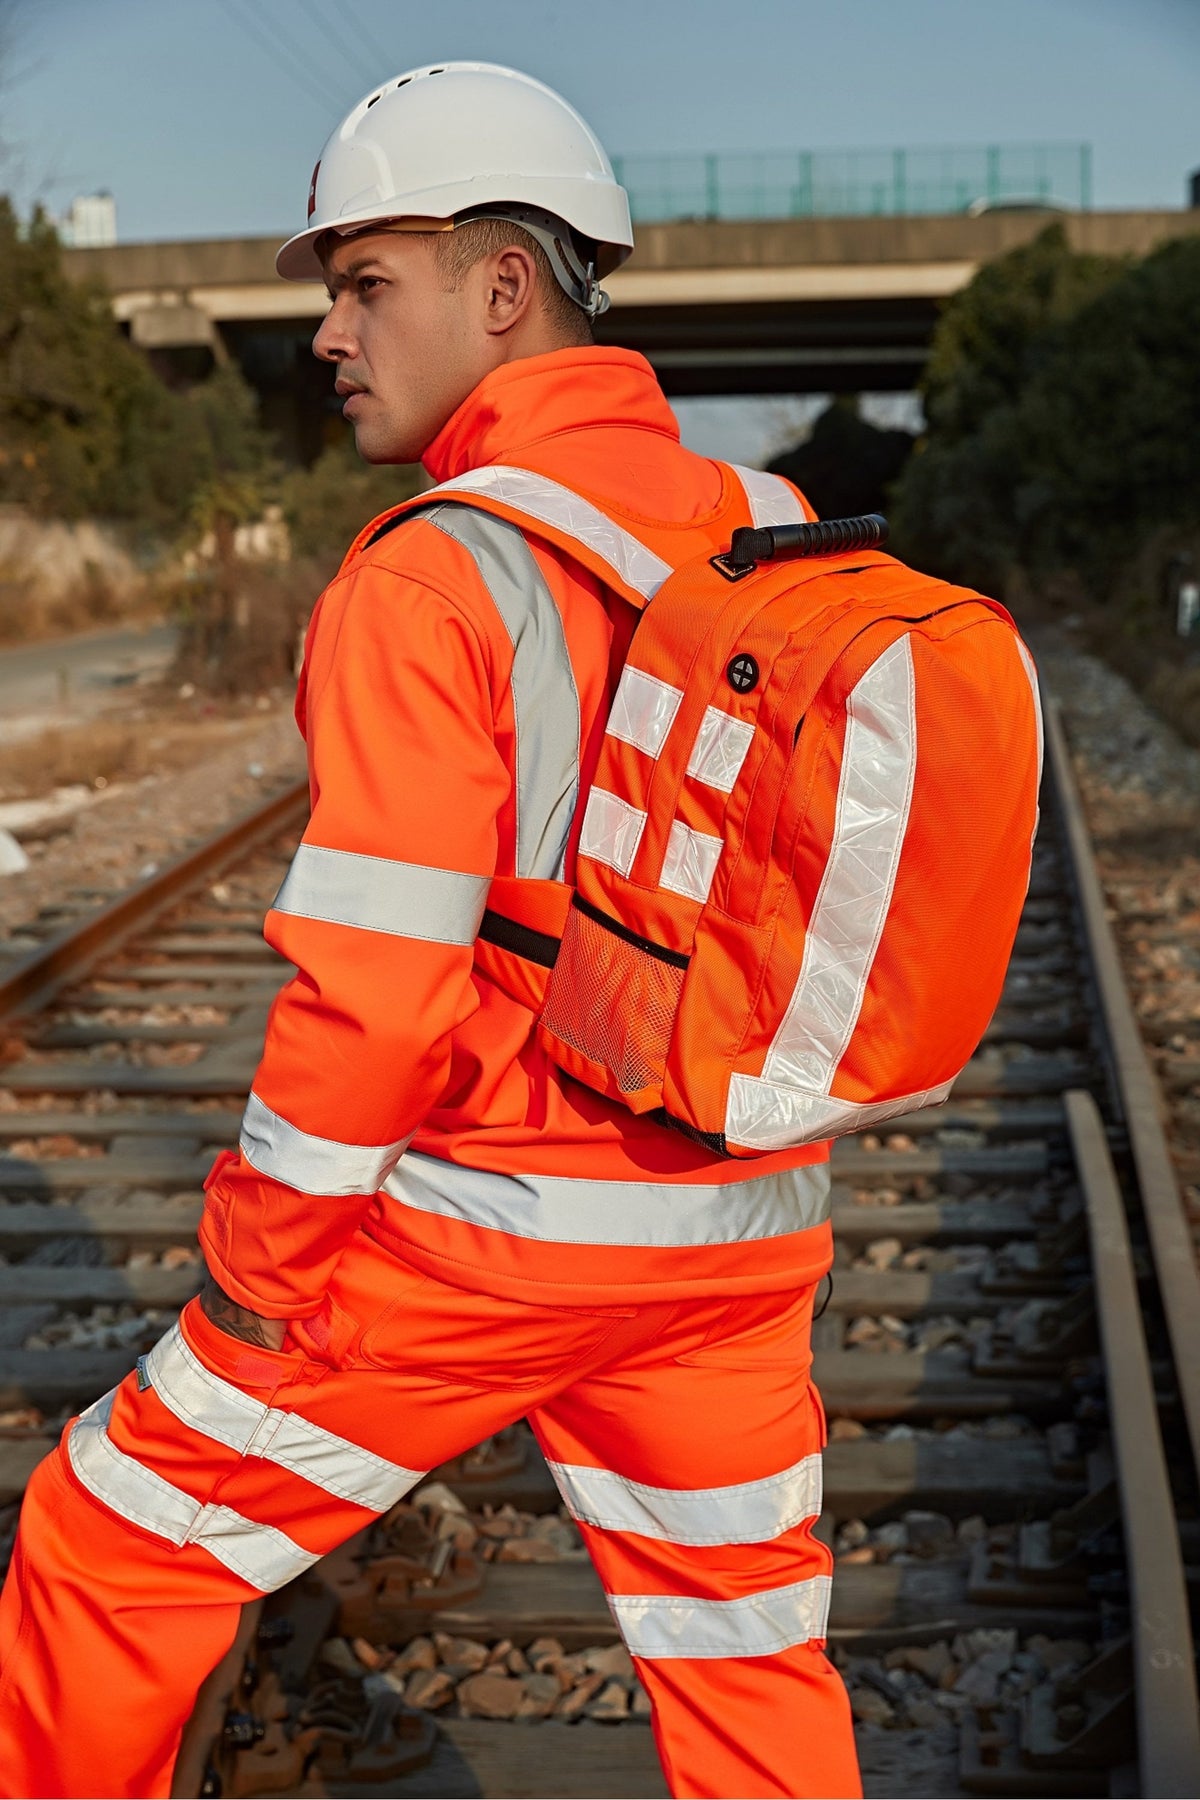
[539,397]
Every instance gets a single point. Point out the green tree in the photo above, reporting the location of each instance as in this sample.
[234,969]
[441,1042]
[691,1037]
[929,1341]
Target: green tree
[846,465]
[976,497]
[1110,423]
[87,429]
[68,381]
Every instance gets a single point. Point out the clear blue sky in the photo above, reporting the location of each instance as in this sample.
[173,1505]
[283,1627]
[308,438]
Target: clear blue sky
[204,117]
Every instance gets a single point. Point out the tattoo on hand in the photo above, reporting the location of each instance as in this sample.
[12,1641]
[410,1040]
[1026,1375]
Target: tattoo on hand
[239,1321]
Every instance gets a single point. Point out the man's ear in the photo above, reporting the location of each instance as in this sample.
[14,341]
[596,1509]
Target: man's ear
[511,288]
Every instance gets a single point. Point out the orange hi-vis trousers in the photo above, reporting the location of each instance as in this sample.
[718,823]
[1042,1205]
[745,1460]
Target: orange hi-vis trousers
[685,1437]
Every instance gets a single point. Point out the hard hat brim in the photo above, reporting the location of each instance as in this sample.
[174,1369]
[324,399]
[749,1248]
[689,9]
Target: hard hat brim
[598,211]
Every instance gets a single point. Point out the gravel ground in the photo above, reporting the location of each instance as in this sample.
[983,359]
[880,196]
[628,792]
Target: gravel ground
[126,833]
[1141,790]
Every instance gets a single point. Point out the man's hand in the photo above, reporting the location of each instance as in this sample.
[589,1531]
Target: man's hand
[239,1321]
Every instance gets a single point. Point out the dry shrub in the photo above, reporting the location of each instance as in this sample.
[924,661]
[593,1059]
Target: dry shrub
[104,751]
[19,610]
[92,600]
[100,751]
[242,633]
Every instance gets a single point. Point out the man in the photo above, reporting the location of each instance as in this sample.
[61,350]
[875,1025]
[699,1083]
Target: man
[430,1231]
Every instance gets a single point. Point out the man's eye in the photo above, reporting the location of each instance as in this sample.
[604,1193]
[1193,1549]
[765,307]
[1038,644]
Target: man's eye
[366,282]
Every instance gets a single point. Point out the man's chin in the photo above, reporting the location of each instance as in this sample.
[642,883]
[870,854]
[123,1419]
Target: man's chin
[380,447]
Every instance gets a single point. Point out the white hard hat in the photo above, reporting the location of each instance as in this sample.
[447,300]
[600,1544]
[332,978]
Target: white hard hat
[469,138]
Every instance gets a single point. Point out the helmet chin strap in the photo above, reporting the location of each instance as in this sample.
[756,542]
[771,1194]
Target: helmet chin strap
[577,278]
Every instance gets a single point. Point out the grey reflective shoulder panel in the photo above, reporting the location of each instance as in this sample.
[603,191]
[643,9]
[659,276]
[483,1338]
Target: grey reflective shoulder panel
[550,503]
[545,699]
[771,500]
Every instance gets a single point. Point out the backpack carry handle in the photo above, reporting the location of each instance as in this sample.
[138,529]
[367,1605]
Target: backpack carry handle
[752,544]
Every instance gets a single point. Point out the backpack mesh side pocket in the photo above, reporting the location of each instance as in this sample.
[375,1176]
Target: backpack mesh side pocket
[612,1000]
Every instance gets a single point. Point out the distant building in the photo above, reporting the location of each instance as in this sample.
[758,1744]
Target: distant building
[91,222]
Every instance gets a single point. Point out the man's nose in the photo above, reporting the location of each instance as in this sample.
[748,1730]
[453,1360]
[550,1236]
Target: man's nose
[333,342]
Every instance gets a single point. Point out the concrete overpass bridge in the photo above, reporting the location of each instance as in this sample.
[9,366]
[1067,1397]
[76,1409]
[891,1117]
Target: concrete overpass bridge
[801,305]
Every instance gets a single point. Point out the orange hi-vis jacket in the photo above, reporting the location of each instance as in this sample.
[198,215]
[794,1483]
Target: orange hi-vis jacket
[457,682]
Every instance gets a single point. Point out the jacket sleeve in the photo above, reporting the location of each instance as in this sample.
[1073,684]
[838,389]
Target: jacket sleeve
[378,912]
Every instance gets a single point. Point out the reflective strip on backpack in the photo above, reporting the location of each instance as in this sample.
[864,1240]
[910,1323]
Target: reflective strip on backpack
[551,503]
[720,749]
[562,1209]
[261,1555]
[691,861]
[772,500]
[643,710]
[1031,675]
[544,696]
[612,830]
[879,759]
[765,1115]
[207,1404]
[745,1512]
[659,1625]
[314,1165]
[374,893]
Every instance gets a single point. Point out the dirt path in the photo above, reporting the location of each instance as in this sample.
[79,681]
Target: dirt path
[67,679]
[126,831]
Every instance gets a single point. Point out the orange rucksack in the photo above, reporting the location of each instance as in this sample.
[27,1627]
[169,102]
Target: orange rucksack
[807,842]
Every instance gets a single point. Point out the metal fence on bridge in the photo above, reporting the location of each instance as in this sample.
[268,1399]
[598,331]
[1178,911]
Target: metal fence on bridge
[784,184]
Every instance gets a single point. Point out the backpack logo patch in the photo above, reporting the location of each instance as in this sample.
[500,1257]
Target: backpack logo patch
[742,673]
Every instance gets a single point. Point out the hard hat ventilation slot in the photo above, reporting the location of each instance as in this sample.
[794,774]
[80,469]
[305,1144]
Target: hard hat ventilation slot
[372,100]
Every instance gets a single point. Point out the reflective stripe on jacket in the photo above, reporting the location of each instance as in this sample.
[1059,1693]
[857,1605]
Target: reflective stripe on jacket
[456,686]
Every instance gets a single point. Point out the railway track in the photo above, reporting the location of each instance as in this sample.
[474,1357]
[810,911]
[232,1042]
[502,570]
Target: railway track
[1009,1357]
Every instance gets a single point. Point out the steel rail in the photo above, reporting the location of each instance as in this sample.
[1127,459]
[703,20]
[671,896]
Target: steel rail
[1168,1710]
[1168,1718]
[35,980]
[1137,1094]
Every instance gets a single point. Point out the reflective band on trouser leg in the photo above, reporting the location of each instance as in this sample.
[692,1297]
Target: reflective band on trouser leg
[656,1625]
[314,1165]
[694,1474]
[260,1554]
[216,1409]
[544,698]
[745,1512]
[374,893]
